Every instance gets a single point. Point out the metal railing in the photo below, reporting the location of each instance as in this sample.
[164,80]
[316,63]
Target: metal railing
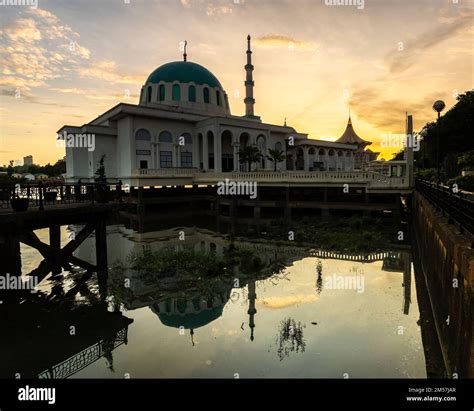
[42,194]
[85,358]
[458,207]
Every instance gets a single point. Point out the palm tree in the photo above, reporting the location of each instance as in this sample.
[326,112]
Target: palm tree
[276,156]
[249,155]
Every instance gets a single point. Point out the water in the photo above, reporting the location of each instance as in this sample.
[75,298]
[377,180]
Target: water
[301,327]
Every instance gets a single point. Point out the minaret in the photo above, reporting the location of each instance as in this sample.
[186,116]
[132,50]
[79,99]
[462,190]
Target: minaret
[249,83]
[252,311]
[185,55]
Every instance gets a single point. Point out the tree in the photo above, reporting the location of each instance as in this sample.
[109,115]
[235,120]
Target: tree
[249,155]
[100,172]
[276,156]
[455,137]
[10,169]
[466,161]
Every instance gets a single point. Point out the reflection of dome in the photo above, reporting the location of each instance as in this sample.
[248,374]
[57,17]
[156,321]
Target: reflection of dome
[189,312]
[183,72]
[190,320]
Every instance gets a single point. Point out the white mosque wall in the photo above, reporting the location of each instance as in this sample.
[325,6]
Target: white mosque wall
[104,145]
[77,162]
[125,147]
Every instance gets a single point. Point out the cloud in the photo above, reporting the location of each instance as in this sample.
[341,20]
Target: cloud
[273,41]
[107,70]
[22,30]
[217,10]
[36,50]
[41,48]
[283,302]
[400,61]
[92,94]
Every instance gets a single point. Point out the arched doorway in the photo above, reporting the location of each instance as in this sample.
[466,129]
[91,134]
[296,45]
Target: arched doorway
[227,152]
[244,140]
[210,148]
[262,146]
[200,152]
[299,159]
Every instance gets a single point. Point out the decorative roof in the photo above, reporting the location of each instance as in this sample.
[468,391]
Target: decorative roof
[351,137]
[183,72]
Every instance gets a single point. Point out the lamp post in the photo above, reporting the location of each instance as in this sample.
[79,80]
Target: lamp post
[438,106]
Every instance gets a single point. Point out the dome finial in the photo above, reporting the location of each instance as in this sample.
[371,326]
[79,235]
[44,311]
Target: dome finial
[185,56]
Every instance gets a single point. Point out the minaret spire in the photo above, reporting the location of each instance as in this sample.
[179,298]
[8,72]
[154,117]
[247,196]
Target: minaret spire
[249,83]
[185,56]
[252,296]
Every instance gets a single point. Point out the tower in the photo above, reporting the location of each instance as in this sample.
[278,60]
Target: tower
[249,83]
[252,296]
[409,155]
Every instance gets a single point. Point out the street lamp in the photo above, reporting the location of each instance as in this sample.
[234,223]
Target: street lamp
[438,106]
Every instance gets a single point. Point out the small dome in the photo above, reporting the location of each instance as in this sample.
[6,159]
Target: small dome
[183,72]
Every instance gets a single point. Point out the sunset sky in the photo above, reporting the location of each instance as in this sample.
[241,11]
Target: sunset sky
[68,61]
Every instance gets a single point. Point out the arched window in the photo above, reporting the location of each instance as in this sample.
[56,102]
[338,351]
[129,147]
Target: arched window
[188,139]
[218,97]
[311,151]
[176,92]
[143,135]
[148,94]
[192,93]
[165,137]
[278,146]
[206,95]
[331,152]
[339,153]
[162,92]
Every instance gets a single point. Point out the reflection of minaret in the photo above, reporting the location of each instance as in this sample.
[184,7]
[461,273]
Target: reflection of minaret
[192,336]
[252,311]
[249,83]
[406,282]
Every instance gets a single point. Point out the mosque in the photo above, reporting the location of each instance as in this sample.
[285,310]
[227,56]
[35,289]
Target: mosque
[183,122]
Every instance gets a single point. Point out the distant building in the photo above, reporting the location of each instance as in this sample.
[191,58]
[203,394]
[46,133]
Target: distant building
[28,161]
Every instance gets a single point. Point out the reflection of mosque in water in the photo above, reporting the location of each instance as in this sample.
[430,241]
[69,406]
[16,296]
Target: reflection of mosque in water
[189,311]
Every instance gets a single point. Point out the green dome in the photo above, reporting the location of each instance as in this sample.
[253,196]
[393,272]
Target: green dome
[183,72]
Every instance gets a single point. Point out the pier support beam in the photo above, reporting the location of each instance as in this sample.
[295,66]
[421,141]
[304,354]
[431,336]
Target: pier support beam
[55,236]
[101,245]
[101,257]
[10,255]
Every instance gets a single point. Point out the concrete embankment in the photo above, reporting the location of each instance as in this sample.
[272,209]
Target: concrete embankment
[447,261]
